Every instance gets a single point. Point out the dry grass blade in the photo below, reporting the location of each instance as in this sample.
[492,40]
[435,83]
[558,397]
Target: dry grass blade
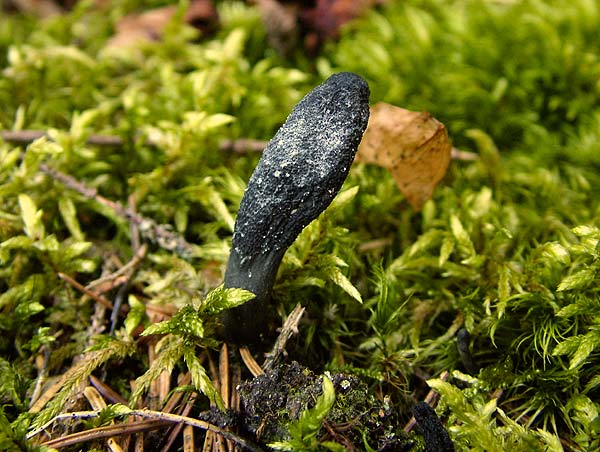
[98,298]
[47,395]
[107,392]
[172,404]
[250,362]
[41,361]
[158,417]
[104,432]
[224,374]
[188,439]
[158,233]
[98,403]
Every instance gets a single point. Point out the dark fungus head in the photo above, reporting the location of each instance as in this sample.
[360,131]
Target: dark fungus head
[300,172]
[435,435]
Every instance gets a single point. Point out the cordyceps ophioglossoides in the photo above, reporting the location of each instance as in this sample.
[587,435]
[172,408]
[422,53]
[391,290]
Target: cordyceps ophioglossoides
[300,172]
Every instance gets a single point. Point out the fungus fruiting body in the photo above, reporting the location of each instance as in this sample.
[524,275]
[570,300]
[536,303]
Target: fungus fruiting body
[435,435]
[300,172]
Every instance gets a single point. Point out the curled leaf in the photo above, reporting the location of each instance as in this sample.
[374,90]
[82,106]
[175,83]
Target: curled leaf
[413,146]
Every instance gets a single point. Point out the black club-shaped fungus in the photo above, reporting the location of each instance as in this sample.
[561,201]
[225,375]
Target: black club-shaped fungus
[300,172]
[435,435]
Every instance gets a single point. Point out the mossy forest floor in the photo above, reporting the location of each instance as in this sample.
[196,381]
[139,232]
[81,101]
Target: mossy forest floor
[486,302]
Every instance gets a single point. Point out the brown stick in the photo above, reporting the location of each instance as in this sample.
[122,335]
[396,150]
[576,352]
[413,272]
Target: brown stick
[41,379]
[108,304]
[239,146]
[158,417]
[290,328]
[98,298]
[224,374]
[29,136]
[96,401]
[25,137]
[177,429]
[114,279]
[152,231]
[250,362]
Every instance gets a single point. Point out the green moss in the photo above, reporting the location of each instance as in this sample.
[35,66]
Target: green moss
[507,248]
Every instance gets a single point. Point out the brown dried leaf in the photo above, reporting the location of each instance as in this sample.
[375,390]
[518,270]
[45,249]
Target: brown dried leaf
[150,25]
[413,146]
[147,26]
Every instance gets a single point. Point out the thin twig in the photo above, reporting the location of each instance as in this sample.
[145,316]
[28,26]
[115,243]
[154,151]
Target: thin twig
[133,229]
[129,267]
[188,439]
[224,383]
[41,379]
[176,396]
[96,401]
[107,392]
[162,310]
[50,392]
[72,416]
[104,432]
[339,438]
[239,146]
[157,233]
[290,328]
[98,298]
[173,402]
